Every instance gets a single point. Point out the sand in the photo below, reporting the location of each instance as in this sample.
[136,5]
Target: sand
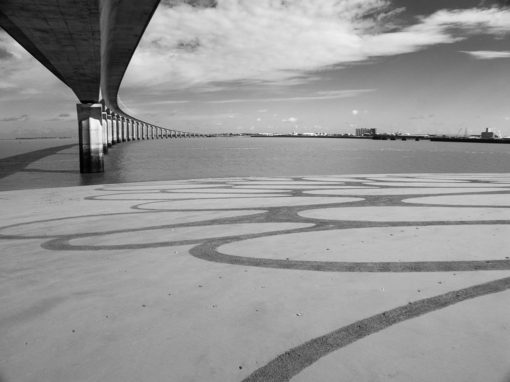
[204,280]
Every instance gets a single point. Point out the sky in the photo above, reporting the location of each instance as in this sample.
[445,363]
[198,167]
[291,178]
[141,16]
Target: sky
[406,66]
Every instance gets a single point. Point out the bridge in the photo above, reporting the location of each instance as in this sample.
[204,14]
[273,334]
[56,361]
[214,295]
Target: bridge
[88,45]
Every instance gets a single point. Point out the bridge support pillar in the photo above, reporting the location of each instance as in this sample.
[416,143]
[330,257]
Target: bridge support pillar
[129,125]
[104,132]
[90,134]
[122,123]
[118,129]
[111,120]
[109,130]
[126,130]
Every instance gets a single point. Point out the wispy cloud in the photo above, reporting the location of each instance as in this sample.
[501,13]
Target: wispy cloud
[321,95]
[277,41]
[23,76]
[204,117]
[487,54]
[62,117]
[23,117]
[163,102]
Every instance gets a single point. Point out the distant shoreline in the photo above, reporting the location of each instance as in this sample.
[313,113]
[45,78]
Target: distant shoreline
[18,138]
[388,137]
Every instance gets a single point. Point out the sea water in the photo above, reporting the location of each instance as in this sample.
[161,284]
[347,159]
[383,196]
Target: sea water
[193,158]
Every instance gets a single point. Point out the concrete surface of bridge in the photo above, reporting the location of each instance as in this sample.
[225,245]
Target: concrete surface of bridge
[88,45]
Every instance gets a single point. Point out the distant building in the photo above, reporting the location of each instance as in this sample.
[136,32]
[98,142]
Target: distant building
[364,132]
[488,134]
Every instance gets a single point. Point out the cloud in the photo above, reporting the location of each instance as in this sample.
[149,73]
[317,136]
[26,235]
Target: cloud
[163,102]
[5,54]
[320,95]
[192,3]
[23,76]
[62,117]
[23,117]
[355,112]
[487,54]
[276,41]
[290,119]
[206,117]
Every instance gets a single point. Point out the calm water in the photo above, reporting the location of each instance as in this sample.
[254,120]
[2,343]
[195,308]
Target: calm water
[10,147]
[223,157]
[226,157]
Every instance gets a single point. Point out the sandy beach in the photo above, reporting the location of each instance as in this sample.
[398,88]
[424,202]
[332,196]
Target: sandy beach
[354,277]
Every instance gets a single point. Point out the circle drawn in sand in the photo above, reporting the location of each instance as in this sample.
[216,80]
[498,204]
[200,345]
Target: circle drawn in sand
[466,200]
[381,244]
[407,214]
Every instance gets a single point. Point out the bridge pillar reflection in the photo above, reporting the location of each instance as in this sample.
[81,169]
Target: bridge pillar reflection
[90,135]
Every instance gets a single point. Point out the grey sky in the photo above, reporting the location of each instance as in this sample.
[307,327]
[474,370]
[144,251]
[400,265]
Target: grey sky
[304,65]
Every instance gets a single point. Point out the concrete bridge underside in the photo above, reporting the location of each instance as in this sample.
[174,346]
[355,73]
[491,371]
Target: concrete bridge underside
[88,45]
